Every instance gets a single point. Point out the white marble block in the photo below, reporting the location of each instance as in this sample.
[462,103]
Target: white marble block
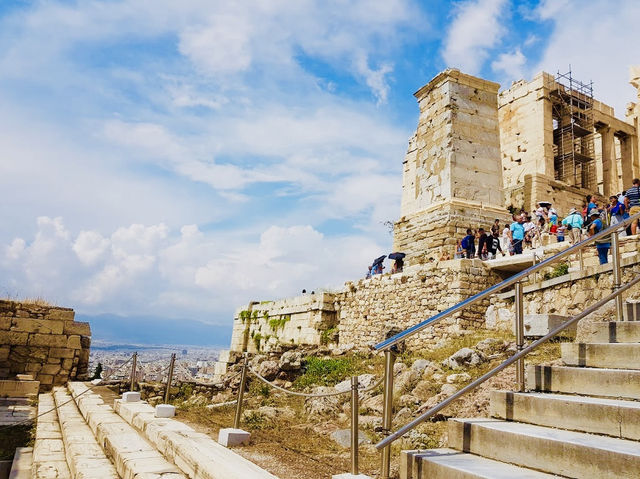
[233,437]
[131,396]
[165,410]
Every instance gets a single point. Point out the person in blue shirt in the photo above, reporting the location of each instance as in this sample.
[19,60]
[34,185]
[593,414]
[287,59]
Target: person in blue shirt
[595,227]
[516,234]
[469,243]
[575,221]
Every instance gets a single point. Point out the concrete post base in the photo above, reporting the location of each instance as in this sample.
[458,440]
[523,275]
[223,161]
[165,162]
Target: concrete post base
[131,396]
[233,437]
[165,410]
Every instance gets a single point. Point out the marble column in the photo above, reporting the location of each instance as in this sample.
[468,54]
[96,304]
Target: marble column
[609,170]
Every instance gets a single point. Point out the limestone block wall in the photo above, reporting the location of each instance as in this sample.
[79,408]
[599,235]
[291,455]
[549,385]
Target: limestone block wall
[369,308]
[300,320]
[43,341]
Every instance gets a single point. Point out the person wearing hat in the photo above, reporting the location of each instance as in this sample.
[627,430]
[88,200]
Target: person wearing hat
[595,227]
[573,222]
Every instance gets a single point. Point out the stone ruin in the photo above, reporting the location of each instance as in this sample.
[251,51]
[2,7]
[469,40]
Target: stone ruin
[475,152]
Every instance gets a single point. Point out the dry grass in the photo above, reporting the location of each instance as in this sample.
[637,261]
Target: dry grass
[36,301]
[13,437]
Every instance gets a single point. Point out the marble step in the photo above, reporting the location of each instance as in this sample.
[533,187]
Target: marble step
[22,463]
[616,383]
[451,464]
[196,454]
[85,457]
[49,458]
[602,355]
[132,456]
[611,332]
[551,450]
[613,417]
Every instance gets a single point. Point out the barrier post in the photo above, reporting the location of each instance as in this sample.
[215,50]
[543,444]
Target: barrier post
[134,366]
[617,274]
[169,378]
[243,382]
[387,411]
[519,306]
[354,425]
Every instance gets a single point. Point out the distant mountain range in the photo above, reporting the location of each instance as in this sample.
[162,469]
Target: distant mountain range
[111,328]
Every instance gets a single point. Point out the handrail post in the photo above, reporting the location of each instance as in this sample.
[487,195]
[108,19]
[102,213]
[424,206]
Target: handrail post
[387,409]
[354,425]
[134,366]
[617,273]
[580,259]
[169,378]
[243,383]
[519,306]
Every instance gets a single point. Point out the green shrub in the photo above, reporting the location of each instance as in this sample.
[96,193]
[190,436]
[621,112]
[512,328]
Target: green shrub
[325,372]
[559,269]
[329,335]
[256,339]
[278,323]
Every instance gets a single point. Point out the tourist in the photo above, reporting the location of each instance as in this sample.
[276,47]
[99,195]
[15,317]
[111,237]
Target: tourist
[633,195]
[495,227]
[616,212]
[560,232]
[516,234]
[482,244]
[626,214]
[529,227]
[596,226]
[459,250]
[398,264]
[494,245]
[574,221]
[506,243]
[553,221]
[368,273]
[469,243]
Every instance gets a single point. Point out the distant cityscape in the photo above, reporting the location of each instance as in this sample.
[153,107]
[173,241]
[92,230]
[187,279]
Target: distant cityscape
[193,363]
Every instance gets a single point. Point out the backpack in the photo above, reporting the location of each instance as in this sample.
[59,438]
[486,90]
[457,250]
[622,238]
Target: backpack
[465,243]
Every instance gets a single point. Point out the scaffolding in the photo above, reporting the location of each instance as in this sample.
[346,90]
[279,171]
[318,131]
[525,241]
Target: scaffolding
[573,131]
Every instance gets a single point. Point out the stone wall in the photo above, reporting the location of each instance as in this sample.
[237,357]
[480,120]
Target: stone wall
[369,308]
[452,174]
[270,325]
[43,341]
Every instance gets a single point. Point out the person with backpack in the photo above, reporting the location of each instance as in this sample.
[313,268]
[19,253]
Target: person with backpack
[483,243]
[516,234]
[469,243]
[633,195]
[493,245]
[573,222]
[616,213]
[595,227]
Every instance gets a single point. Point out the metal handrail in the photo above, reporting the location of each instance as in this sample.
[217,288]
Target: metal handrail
[388,343]
[389,346]
[406,428]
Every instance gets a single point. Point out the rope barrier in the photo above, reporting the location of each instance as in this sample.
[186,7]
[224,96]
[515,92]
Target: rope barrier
[89,388]
[310,395]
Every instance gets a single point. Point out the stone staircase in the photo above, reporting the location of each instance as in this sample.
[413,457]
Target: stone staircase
[78,436]
[579,420]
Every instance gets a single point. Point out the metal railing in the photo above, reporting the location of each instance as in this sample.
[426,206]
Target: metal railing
[389,345]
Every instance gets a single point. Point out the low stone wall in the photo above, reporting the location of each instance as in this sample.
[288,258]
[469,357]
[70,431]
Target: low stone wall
[565,295]
[43,341]
[297,321]
[370,308]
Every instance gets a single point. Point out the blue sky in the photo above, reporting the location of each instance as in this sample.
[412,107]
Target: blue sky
[179,159]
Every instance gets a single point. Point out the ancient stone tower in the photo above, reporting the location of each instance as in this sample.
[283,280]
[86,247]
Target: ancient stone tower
[452,177]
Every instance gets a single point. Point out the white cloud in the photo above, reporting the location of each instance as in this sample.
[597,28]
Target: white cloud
[147,269]
[475,29]
[511,64]
[600,42]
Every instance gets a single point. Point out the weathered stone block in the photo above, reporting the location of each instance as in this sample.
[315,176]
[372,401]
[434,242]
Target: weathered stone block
[51,340]
[50,369]
[63,314]
[5,322]
[61,353]
[33,367]
[74,342]
[233,437]
[13,338]
[85,342]
[4,352]
[37,326]
[75,327]
[45,379]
